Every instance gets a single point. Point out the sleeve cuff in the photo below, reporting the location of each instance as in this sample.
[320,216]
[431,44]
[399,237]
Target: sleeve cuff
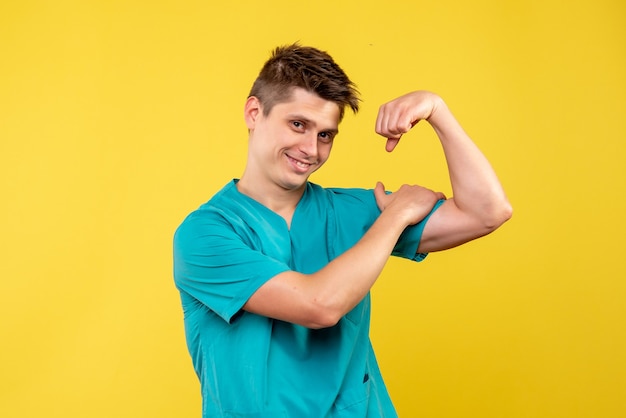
[410,238]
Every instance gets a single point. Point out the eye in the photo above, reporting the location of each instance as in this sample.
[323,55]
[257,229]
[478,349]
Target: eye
[326,136]
[297,125]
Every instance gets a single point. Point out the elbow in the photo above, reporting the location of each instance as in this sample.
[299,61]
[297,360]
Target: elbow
[323,320]
[322,315]
[321,324]
[498,214]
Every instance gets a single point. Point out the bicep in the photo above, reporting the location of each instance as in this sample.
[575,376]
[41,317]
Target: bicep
[449,227]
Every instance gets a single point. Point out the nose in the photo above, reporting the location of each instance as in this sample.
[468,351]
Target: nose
[308,145]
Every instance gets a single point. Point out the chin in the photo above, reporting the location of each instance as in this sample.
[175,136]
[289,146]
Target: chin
[295,185]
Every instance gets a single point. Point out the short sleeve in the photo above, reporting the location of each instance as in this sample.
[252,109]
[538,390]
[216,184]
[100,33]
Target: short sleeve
[214,265]
[410,239]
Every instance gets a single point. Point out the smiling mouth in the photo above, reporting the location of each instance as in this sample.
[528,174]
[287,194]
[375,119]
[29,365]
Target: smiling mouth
[298,163]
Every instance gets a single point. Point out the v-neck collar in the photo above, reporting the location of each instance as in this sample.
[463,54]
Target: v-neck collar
[299,206]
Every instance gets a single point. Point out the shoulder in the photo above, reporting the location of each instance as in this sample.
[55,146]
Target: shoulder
[352,198]
[356,203]
[211,214]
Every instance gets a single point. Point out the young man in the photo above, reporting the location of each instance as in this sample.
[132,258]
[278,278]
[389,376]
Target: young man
[274,272]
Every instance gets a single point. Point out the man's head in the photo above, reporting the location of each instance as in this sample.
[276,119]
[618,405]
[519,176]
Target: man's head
[308,68]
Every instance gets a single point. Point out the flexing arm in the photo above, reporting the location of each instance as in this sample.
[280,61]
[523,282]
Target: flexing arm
[478,205]
[320,299]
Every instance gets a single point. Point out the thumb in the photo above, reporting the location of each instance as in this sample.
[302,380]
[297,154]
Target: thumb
[380,195]
[391,144]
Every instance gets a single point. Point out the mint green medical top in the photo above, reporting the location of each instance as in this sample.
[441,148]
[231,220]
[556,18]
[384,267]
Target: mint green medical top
[253,366]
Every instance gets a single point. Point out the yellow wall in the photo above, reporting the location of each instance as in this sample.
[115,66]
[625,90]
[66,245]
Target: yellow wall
[117,118]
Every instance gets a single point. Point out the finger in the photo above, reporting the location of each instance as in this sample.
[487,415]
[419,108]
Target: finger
[380,195]
[404,123]
[391,144]
[398,125]
[382,121]
[379,121]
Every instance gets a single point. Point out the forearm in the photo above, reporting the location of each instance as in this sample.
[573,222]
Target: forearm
[320,299]
[345,281]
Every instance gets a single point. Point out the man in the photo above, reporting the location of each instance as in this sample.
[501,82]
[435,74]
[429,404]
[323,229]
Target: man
[274,272]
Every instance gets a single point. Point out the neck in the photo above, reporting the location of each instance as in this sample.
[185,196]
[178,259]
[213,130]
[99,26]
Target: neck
[279,200]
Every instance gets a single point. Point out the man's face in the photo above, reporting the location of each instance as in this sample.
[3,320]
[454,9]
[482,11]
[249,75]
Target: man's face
[293,141]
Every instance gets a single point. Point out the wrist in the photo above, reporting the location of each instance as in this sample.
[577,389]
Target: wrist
[439,107]
[395,219]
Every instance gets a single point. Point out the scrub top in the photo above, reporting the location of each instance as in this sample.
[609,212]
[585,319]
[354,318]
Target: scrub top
[253,366]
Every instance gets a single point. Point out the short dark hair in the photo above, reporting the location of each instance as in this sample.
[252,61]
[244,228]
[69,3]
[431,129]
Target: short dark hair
[308,68]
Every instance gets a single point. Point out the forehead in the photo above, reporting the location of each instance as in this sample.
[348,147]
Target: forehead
[309,106]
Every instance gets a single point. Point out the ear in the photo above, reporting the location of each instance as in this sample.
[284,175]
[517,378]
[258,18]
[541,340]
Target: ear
[252,111]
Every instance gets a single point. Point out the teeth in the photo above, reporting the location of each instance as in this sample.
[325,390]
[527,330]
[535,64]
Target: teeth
[300,163]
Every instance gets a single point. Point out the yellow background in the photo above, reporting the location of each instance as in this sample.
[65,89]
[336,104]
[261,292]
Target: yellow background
[117,118]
